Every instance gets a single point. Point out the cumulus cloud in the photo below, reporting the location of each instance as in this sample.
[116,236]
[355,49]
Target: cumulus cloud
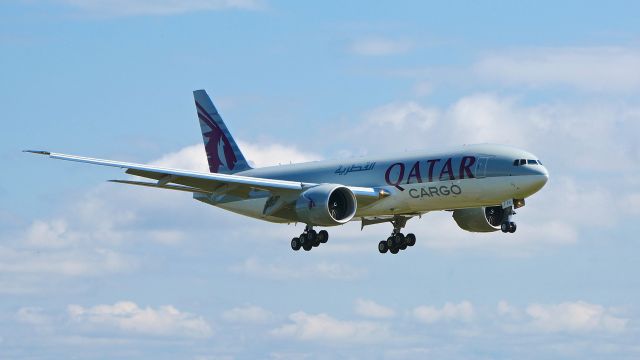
[370,308]
[580,136]
[194,157]
[323,328]
[577,316]
[270,154]
[247,314]
[324,270]
[583,68]
[159,7]
[380,47]
[462,311]
[505,309]
[191,157]
[565,317]
[403,115]
[128,317]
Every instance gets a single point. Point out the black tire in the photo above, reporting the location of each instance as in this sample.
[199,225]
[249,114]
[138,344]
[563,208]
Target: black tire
[323,235]
[505,227]
[307,246]
[295,244]
[382,247]
[394,250]
[312,235]
[316,242]
[512,227]
[303,239]
[411,239]
[391,242]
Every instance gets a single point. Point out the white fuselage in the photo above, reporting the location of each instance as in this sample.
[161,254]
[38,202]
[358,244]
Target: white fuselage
[465,177]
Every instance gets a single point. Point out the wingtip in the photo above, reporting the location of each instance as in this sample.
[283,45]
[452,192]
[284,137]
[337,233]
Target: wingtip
[39,152]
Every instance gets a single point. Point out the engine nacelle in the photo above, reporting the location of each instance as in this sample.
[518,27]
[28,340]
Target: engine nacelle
[326,205]
[483,219]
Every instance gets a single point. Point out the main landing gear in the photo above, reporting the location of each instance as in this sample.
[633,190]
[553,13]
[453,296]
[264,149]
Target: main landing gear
[508,226]
[397,241]
[309,239]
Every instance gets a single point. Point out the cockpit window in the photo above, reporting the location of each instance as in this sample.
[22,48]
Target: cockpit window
[532,162]
[516,162]
[523,161]
[539,162]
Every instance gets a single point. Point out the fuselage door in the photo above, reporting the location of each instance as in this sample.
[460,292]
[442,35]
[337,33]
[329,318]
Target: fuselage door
[481,167]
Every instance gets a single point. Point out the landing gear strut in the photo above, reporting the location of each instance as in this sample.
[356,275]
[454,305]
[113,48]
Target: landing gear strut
[309,239]
[508,225]
[397,241]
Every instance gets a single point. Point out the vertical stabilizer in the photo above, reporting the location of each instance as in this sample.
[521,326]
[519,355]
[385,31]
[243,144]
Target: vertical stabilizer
[223,153]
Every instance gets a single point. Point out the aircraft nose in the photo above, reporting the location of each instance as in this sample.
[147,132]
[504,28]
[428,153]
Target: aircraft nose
[540,178]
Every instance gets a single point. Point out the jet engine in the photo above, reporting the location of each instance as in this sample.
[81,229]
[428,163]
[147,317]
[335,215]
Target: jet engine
[483,219]
[326,205]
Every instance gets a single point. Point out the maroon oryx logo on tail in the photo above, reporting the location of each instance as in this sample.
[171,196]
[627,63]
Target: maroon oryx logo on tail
[217,145]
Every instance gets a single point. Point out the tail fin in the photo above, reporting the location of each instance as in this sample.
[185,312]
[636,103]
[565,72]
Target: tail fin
[223,153]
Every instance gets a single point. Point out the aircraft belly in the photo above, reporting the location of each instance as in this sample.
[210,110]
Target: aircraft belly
[247,207]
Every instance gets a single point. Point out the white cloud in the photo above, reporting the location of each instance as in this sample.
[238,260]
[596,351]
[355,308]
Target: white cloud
[403,115]
[274,154]
[380,47]
[506,309]
[586,68]
[579,136]
[49,234]
[370,308]
[324,328]
[462,311]
[248,314]
[128,317]
[325,270]
[577,316]
[194,157]
[159,7]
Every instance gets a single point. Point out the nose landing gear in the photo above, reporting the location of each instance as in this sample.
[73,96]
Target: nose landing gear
[508,225]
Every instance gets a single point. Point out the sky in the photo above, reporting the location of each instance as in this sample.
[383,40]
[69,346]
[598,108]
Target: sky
[94,270]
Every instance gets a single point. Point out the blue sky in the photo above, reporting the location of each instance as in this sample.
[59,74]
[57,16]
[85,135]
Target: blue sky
[90,269]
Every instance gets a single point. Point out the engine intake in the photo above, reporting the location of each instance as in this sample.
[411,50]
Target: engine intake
[483,219]
[326,205]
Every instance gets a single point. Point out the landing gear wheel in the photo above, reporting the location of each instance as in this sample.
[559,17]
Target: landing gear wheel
[323,236]
[382,247]
[312,235]
[394,250]
[505,227]
[391,242]
[512,227]
[307,246]
[295,244]
[410,239]
[303,239]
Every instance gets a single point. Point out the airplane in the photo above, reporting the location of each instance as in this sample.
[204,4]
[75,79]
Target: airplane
[482,185]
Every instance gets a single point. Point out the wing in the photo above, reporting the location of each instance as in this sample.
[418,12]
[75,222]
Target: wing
[211,183]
